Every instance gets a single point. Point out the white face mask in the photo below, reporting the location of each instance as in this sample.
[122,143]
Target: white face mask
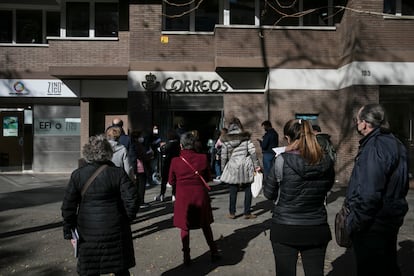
[141,140]
[155,131]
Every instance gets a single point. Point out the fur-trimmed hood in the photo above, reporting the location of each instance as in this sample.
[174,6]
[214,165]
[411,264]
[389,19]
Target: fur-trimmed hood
[235,137]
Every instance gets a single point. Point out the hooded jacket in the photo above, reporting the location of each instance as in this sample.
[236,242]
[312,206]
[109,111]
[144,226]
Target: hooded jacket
[237,144]
[120,158]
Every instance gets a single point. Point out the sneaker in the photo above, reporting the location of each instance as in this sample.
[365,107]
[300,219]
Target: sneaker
[231,216]
[250,216]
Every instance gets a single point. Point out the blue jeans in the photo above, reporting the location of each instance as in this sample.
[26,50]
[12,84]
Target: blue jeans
[217,167]
[267,162]
[233,190]
[286,258]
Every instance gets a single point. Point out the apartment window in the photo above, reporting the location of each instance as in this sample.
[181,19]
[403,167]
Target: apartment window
[242,12]
[399,7]
[77,19]
[184,15]
[106,19]
[28,26]
[301,12]
[6,26]
[53,23]
[92,19]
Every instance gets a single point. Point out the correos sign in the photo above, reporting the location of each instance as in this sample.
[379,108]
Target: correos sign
[177,82]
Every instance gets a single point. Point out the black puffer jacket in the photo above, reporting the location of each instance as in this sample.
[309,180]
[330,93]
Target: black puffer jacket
[103,220]
[300,197]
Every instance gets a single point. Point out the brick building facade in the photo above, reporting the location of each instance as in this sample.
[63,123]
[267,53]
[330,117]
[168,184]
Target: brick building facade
[221,59]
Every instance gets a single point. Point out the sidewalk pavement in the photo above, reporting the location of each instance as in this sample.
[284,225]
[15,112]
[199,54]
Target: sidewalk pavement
[31,240]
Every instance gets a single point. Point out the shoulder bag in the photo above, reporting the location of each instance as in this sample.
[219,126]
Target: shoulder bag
[341,235]
[196,172]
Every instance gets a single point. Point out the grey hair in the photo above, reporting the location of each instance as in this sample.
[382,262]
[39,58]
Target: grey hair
[187,140]
[97,149]
[374,114]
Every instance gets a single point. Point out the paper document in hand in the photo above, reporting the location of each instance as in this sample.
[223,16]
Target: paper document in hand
[279,150]
[75,242]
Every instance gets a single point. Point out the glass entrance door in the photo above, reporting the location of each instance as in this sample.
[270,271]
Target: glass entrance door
[12,140]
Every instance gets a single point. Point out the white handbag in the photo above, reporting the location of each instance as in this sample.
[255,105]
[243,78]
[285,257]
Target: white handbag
[257,184]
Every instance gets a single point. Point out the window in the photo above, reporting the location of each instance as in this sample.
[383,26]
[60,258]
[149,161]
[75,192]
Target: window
[28,26]
[92,19]
[184,15]
[77,19]
[6,26]
[53,23]
[106,19]
[242,12]
[399,7]
[301,12]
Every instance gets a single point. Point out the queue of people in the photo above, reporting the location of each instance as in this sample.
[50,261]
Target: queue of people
[297,181]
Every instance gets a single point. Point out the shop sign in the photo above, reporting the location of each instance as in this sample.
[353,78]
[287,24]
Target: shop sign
[173,82]
[34,88]
[60,126]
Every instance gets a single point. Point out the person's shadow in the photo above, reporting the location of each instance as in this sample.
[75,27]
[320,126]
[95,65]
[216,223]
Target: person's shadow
[345,264]
[232,247]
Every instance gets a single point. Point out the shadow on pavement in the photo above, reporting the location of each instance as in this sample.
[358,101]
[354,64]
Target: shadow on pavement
[345,264]
[32,197]
[31,229]
[233,248]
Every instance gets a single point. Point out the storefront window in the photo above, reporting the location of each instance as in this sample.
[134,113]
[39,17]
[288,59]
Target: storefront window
[6,26]
[177,15]
[106,19]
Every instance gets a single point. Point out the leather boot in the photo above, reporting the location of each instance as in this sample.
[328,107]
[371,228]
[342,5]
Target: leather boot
[187,257]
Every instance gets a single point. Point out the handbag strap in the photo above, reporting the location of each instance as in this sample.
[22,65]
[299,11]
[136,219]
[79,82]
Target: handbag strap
[196,172]
[92,178]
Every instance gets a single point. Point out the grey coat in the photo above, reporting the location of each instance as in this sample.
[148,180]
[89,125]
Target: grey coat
[236,144]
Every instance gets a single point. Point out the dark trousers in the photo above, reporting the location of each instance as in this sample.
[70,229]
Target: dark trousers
[141,182]
[233,190]
[376,253]
[120,273]
[208,235]
[286,257]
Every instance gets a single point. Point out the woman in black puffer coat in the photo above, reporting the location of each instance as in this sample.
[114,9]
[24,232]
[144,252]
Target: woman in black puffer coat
[298,182]
[103,215]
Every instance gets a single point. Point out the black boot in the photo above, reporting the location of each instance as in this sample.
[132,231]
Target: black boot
[187,258]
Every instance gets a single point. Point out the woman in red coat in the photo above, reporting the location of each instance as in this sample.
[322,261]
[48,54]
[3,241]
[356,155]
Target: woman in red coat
[192,209]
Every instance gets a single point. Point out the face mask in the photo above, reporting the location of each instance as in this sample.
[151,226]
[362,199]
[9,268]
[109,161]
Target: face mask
[140,140]
[155,131]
